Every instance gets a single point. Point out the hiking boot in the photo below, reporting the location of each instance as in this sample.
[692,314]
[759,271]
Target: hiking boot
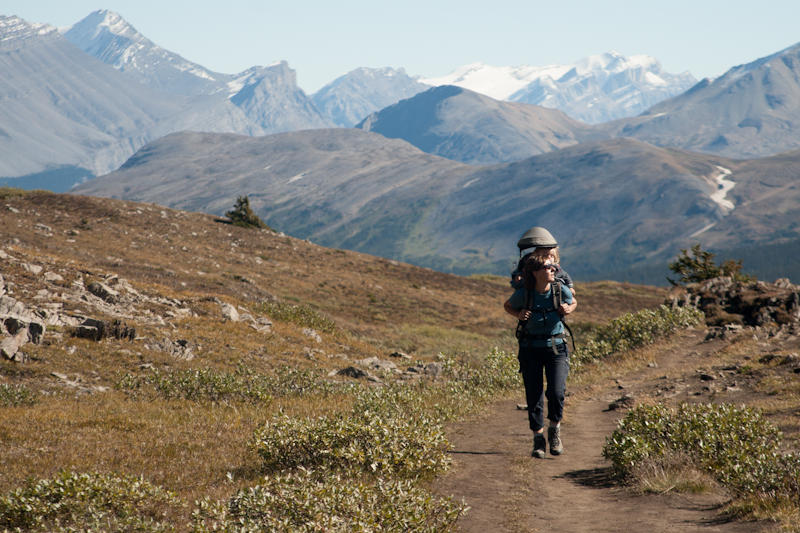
[554,436]
[539,446]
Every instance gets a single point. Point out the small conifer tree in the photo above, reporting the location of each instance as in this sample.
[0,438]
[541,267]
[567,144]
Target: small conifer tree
[698,265]
[242,215]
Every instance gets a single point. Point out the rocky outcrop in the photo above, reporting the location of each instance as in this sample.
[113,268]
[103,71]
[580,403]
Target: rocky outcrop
[18,325]
[734,305]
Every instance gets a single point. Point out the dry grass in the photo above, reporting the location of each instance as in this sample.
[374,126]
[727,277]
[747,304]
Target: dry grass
[378,306]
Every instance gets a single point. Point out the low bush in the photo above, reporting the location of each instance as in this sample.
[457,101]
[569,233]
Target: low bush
[305,501]
[16,395]
[301,315]
[242,385]
[87,502]
[633,330]
[735,445]
[373,442]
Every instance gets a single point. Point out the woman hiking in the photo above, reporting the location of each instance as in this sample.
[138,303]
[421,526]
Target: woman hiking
[542,348]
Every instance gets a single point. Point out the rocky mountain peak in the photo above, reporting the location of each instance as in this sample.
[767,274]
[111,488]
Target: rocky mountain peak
[13,28]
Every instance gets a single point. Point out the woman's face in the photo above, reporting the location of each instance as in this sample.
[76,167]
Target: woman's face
[548,273]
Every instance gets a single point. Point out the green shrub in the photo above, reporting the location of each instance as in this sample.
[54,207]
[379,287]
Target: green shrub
[16,395]
[735,445]
[372,442]
[243,385]
[634,330]
[304,501]
[301,315]
[204,384]
[87,502]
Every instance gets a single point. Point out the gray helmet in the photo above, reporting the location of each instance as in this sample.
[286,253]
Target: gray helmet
[536,237]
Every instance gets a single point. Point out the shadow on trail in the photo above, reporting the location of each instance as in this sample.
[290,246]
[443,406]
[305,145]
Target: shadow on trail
[467,452]
[598,478]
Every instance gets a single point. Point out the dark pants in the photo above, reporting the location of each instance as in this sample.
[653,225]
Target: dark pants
[556,367]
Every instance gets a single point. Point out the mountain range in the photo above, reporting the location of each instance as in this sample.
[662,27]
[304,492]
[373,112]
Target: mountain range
[180,95]
[472,128]
[440,178]
[752,110]
[619,206]
[595,89]
[66,114]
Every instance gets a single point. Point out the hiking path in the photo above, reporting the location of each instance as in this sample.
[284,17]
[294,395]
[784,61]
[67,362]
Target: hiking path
[509,491]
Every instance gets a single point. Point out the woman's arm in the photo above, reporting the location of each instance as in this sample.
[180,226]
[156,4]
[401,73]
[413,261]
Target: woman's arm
[519,314]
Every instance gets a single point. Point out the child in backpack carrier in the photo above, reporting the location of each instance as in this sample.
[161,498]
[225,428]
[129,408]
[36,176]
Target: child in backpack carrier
[539,242]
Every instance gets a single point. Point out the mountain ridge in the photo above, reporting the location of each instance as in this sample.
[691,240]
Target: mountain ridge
[358,190]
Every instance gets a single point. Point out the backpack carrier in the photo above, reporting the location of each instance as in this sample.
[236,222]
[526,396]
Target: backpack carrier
[521,332]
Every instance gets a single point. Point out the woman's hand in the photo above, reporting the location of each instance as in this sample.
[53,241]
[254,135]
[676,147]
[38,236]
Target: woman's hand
[524,315]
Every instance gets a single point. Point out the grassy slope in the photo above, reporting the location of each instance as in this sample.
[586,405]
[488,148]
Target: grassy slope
[378,306]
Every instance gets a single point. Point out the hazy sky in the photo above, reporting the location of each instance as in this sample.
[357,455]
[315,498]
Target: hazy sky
[322,40]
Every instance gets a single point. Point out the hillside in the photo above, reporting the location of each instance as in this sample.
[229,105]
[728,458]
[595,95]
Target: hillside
[169,339]
[465,126]
[168,275]
[750,111]
[621,209]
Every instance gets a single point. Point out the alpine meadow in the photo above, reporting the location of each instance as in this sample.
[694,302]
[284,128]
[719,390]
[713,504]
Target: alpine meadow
[227,305]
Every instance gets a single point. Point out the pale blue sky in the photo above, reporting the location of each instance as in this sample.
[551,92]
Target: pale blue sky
[322,40]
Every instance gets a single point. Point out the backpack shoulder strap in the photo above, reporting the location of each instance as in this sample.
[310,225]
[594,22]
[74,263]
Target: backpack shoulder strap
[556,288]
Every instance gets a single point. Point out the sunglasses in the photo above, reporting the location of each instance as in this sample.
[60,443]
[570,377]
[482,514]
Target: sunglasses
[548,267]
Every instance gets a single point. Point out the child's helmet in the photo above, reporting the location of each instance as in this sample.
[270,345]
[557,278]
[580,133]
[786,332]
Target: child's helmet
[535,237]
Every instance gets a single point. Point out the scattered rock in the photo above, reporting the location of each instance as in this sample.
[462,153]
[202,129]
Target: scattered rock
[352,372]
[755,304]
[707,377]
[310,333]
[791,358]
[179,349]
[9,347]
[230,313]
[430,369]
[400,355]
[104,292]
[522,407]
[98,330]
[373,363]
[626,401]
[33,269]
[262,325]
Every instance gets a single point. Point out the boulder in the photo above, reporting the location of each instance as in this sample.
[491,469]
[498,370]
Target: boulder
[230,313]
[104,292]
[98,330]
[9,347]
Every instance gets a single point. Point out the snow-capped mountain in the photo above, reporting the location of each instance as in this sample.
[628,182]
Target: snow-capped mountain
[66,116]
[348,99]
[595,89]
[268,96]
[111,39]
[753,110]
[13,28]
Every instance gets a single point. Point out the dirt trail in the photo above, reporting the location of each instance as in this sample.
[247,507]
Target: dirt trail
[508,491]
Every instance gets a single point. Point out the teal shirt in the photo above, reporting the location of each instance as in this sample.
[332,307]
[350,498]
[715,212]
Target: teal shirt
[544,319]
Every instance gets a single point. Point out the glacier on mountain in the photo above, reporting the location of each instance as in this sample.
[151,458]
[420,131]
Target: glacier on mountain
[595,89]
